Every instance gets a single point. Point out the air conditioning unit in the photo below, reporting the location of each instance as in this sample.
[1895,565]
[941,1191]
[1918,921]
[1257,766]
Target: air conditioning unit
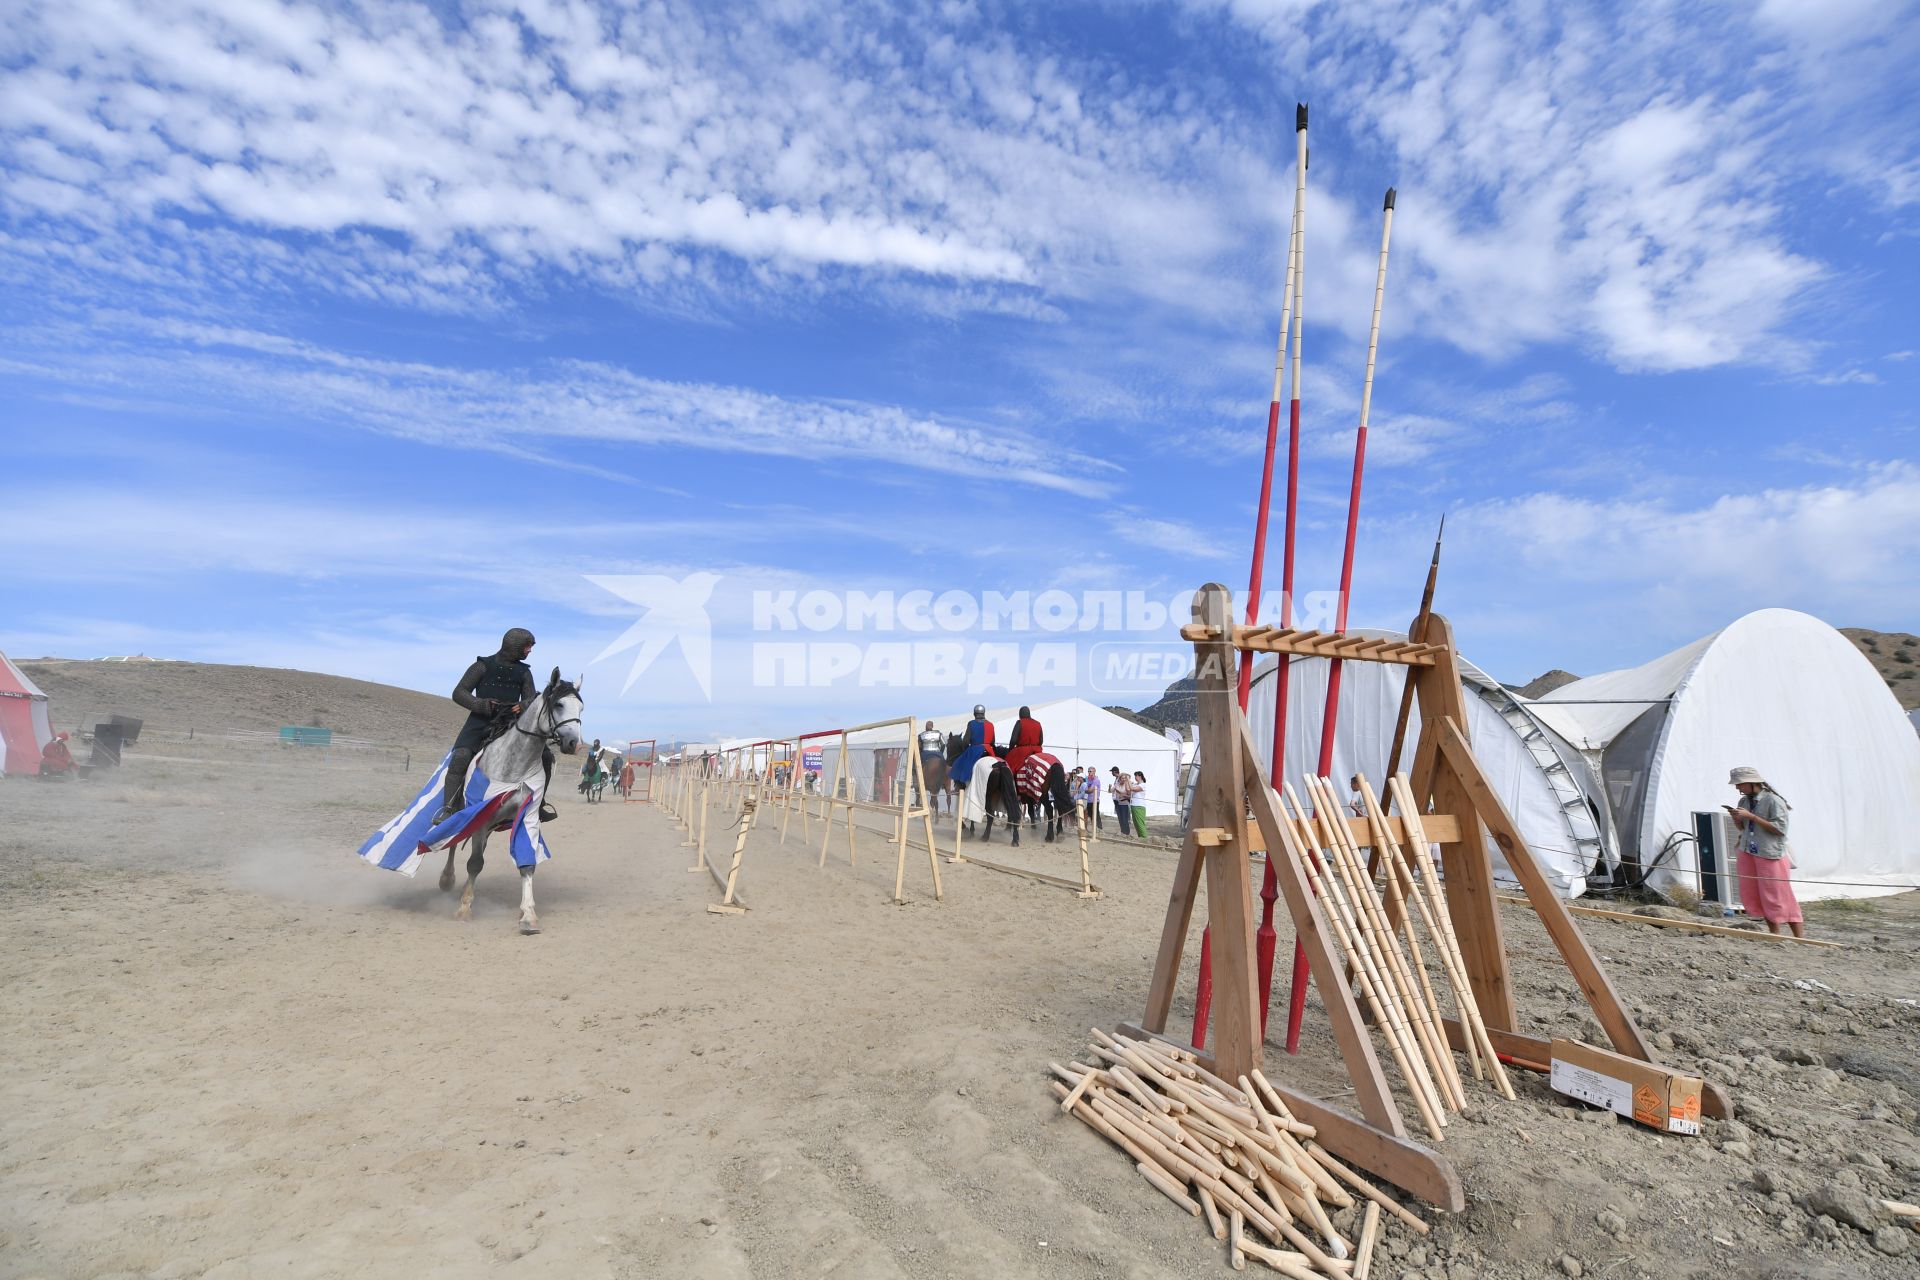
[1716,864]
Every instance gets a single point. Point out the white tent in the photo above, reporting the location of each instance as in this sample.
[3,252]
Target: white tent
[1543,782]
[1784,693]
[1076,731]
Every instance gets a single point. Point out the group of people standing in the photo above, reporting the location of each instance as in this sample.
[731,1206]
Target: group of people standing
[1127,791]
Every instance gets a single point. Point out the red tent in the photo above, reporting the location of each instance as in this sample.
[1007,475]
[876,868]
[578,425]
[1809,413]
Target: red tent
[24,727]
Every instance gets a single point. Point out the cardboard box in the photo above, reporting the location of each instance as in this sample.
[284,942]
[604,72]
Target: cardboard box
[1654,1095]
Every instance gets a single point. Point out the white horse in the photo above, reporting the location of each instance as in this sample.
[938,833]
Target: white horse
[552,718]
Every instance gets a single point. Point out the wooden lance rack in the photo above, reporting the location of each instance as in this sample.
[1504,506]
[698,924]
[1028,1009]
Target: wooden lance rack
[1447,779]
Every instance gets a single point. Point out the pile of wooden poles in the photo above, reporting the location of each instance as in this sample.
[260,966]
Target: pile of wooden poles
[1371,922]
[1231,1153]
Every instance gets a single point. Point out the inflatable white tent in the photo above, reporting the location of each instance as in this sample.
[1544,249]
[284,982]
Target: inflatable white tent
[1543,782]
[1780,691]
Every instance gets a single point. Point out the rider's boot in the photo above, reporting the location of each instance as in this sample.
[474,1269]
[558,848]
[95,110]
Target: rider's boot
[455,788]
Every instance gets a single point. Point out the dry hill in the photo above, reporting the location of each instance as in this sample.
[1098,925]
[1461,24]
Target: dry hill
[1896,656]
[1546,683]
[210,697]
[1178,708]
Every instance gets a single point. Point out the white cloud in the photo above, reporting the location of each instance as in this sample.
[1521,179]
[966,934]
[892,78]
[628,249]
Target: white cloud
[1848,552]
[673,152]
[1564,173]
[1176,537]
[553,412]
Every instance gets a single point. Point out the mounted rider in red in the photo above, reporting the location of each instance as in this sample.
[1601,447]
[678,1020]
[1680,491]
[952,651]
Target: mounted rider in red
[1027,738]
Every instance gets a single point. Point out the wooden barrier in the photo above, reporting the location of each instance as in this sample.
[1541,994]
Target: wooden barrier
[842,802]
[1084,887]
[730,903]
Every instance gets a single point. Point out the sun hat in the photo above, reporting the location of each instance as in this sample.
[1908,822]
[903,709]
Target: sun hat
[1745,774]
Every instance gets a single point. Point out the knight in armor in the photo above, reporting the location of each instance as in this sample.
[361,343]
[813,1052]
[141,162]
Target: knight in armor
[977,741]
[933,745]
[494,689]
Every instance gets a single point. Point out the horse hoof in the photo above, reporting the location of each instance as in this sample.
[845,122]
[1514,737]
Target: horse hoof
[529,927]
[463,915]
[446,880]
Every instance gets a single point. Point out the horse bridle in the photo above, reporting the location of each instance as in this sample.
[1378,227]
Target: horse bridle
[547,697]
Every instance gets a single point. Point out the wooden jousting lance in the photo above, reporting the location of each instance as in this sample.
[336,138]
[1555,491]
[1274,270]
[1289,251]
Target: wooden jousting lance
[1406,692]
[1266,470]
[1296,241]
[1419,630]
[1329,719]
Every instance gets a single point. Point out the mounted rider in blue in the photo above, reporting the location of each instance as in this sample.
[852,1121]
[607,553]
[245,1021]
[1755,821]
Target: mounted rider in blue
[977,740]
[493,689]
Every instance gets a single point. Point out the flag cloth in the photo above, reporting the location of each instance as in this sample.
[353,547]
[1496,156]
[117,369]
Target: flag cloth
[399,844]
[976,793]
[1032,778]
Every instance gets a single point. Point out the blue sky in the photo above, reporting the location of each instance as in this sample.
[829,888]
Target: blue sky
[345,337]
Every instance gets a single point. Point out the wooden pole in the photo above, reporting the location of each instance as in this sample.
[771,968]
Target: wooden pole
[1294,295]
[1350,927]
[1347,858]
[1221,802]
[1386,850]
[1405,717]
[1330,714]
[1471,1022]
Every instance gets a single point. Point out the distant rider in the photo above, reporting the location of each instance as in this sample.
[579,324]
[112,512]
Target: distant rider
[493,687]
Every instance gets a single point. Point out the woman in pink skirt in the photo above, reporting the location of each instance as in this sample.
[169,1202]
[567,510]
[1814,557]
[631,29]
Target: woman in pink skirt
[1766,885]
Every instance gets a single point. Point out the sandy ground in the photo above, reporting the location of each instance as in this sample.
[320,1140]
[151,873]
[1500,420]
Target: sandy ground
[234,1051]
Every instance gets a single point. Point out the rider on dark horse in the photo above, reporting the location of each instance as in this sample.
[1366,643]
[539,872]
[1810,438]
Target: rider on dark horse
[494,689]
[977,740]
[1027,738]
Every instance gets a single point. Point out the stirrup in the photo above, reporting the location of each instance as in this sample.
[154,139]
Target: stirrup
[548,813]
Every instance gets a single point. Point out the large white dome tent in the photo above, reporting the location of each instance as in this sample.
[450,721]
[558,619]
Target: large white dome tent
[1785,693]
[1544,783]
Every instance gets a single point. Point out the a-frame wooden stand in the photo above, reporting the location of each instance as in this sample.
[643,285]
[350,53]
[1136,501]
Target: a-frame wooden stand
[1221,839]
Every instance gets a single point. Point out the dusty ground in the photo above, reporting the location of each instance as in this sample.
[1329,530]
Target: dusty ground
[234,1051]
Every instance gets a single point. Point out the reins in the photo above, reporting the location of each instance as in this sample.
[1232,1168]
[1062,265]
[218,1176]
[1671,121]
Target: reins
[552,733]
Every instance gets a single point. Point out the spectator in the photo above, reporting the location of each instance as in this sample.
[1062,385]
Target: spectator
[1089,796]
[1137,796]
[1765,862]
[1121,789]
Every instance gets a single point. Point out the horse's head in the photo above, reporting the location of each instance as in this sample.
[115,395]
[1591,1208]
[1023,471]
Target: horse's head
[956,743]
[564,709]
